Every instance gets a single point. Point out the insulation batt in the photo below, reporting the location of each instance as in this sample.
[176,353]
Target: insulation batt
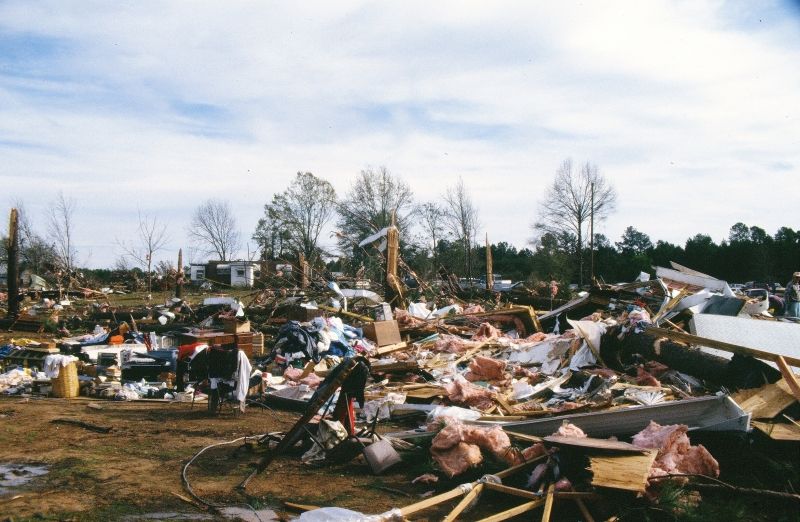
[427,478]
[570,430]
[458,459]
[457,447]
[312,380]
[675,452]
[486,369]
[536,337]
[486,331]
[292,374]
[453,344]
[473,309]
[461,391]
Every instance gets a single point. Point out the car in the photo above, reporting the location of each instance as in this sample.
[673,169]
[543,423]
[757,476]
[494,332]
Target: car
[776,304]
[737,287]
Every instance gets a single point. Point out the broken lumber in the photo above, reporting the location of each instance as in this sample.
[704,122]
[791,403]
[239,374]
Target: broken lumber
[626,472]
[789,377]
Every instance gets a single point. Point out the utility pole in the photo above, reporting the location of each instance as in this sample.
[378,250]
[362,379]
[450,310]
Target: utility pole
[591,239]
[13,264]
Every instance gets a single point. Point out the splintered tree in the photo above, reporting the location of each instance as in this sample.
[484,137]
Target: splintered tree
[462,220]
[61,229]
[213,229]
[575,197]
[375,195]
[151,237]
[296,217]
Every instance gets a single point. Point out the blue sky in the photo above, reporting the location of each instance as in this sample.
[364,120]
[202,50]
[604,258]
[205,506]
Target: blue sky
[690,109]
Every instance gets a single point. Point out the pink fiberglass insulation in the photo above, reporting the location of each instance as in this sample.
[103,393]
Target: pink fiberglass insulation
[486,369]
[675,452]
[570,430]
[535,451]
[457,459]
[486,331]
[405,319]
[448,436]
[312,380]
[494,440]
[453,344]
[461,391]
[535,337]
[473,309]
[426,478]
[455,435]
[292,374]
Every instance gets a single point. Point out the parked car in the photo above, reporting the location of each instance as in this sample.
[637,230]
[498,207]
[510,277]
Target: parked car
[776,304]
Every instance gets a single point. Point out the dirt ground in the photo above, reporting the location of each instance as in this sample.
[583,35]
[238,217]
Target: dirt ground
[136,468]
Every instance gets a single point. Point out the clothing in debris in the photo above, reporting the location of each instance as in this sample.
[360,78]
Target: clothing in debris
[792,297]
[293,338]
[53,363]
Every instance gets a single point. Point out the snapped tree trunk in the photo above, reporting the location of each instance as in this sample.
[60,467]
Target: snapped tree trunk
[13,264]
[738,372]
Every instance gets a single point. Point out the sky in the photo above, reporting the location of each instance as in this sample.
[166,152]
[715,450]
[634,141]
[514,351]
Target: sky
[691,110]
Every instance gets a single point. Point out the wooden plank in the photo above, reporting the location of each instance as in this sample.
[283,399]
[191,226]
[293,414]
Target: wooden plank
[720,345]
[584,510]
[390,348]
[548,503]
[778,431]
[510,513]
[766,402]
[626,472]
[299,507]
[430,502]
[523,436]
[592,443]
[465,502]
[789,376]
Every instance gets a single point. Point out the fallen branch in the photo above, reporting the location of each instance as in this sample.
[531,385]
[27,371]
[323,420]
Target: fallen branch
[717,485]
[84,425]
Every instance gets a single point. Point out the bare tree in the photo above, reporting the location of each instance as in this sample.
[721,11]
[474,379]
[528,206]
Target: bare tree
[61,230]
[152,237]
[375,195]
[297,215]
[432,220]
[213,228]
[570,202]
[462,220]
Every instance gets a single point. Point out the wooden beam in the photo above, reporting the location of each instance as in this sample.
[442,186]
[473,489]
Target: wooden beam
[584,510]
[548,503]
[789,376]
[430,502]
[720,345]
[464,504]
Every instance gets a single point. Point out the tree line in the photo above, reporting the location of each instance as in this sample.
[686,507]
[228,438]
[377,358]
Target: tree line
[309,219]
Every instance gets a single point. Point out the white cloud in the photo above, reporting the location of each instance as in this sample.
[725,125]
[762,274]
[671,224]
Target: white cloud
[690,109]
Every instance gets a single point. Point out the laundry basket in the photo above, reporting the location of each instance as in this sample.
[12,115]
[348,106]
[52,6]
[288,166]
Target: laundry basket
[66,384]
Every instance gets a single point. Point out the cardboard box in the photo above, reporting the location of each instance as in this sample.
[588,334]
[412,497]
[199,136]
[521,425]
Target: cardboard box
[234,326]
[382,332]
